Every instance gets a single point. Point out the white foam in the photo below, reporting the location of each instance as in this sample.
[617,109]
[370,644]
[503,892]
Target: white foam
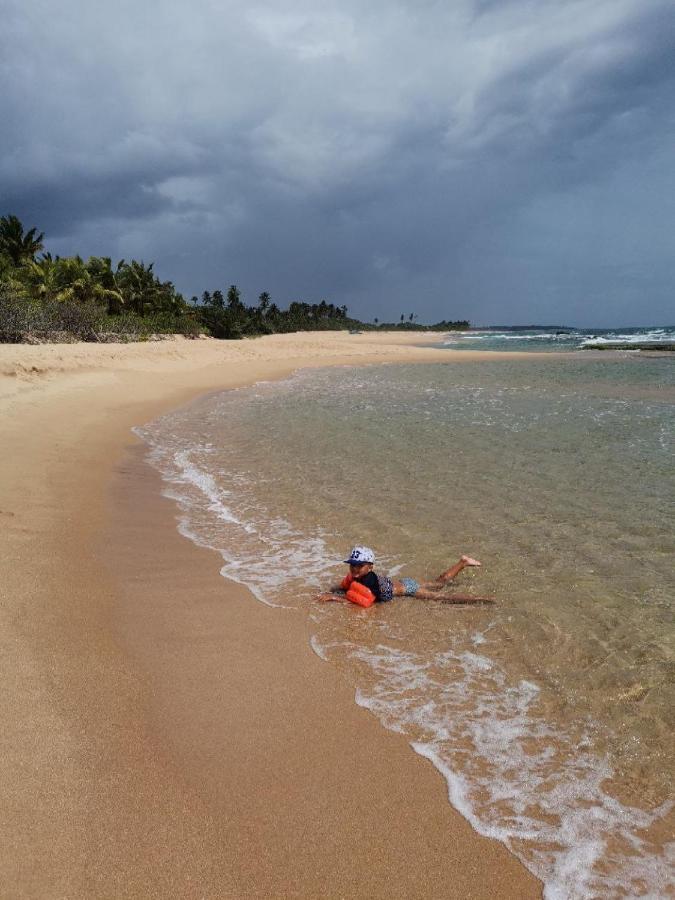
[229,571]
[574,338]
[189,473]
[513,777]
[478,662]
[656,336]
[513,336]
[259,551]
[318,648]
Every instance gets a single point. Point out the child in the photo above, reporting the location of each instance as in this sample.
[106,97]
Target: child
[364,587]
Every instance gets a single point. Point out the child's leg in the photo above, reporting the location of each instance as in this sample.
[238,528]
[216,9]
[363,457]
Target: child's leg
[450,573]
[441,597]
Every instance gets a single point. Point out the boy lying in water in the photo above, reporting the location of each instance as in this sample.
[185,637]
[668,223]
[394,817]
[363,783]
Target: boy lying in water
[364,587]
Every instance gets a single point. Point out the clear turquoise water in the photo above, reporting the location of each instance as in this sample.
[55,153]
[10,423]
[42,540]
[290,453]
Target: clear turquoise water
[551,713]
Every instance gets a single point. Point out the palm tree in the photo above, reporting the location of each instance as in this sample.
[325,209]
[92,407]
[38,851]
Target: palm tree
[7,270]
[138,285]
[19,247]
[40,277]
[106,288]
[234,303]
[71,279]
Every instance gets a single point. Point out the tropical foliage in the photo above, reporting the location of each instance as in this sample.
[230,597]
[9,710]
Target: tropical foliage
[229,317]
[63,298]
[55,298]
[16,245]
[408,323]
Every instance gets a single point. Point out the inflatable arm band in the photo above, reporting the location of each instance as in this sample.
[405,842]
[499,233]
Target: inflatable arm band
[359,593]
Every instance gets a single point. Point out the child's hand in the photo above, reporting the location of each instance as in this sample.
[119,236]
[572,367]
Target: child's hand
[326,597]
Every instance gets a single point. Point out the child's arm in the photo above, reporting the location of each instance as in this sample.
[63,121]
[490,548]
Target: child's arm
[338,593]
[326,597]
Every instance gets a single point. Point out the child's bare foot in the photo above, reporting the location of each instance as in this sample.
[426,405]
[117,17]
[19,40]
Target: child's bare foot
[469,561]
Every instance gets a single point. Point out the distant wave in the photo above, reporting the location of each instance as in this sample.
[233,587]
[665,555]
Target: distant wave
[546,339]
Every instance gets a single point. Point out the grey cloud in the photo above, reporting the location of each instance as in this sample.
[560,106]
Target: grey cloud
[397,154]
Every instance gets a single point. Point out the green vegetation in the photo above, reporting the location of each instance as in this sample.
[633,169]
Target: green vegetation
[58,299]
[409,324]
[67,298]
[228,317]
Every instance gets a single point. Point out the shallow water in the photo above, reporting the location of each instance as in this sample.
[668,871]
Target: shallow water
[550,713]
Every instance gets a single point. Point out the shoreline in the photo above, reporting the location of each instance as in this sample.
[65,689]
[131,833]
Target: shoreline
[165,734]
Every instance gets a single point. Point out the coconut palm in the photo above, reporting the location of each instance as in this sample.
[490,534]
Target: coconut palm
[105,279]
[234,302]
[138,285]
[71,279]
[19,247]
[40,278]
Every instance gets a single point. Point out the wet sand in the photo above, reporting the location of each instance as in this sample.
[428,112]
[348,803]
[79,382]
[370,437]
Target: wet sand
[165,735]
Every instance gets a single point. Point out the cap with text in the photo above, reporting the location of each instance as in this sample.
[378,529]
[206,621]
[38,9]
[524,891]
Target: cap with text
[360,555]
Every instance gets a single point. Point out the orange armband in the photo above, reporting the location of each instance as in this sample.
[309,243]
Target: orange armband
[346,581]
[360,594]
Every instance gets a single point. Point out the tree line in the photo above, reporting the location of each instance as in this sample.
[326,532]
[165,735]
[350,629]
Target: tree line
[229,317]
[45,297]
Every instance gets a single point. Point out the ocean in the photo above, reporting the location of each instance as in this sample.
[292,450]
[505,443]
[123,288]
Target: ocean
[549,713]
[559,338]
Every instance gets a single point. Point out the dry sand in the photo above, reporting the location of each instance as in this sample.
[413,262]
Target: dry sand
[164,735]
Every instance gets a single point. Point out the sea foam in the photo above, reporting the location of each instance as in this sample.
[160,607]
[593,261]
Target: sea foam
[516,779]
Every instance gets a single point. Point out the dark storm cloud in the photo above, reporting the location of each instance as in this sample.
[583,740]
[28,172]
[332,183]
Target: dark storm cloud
[66,200]
[448,160]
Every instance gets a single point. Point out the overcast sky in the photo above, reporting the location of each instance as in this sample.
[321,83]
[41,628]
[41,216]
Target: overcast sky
[497,160]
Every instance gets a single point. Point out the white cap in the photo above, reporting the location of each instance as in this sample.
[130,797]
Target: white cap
[360,555]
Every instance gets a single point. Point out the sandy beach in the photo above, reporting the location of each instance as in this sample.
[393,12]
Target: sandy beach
[165,735]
